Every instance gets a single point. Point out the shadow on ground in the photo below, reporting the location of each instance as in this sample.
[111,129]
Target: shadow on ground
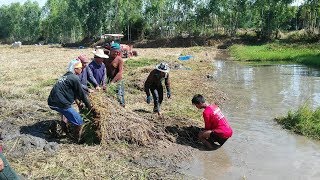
[188,136]
[40,129]
[20,140]
[141,111]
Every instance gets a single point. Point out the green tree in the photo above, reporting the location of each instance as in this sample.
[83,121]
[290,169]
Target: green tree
[30,21]
[269,14]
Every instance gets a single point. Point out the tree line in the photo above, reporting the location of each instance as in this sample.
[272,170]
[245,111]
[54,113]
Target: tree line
[65,21]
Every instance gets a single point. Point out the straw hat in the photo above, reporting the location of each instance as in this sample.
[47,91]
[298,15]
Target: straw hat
[163,67]
[100,53]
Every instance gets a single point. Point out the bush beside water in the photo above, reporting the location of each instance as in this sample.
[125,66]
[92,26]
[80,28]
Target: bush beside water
[304,121]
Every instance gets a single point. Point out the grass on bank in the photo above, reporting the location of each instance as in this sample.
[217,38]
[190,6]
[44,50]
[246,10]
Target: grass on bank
[308,54]
[305,121]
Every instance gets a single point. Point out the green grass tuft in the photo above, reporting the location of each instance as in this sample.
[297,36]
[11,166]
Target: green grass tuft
[304,121]
[141,62]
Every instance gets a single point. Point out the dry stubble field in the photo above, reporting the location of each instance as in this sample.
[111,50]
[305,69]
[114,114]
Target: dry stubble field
[27,75]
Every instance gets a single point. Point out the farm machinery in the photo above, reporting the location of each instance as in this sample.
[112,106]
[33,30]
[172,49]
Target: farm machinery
[126,50]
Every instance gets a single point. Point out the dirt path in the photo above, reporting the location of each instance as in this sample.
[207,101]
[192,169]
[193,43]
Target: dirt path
[27,76]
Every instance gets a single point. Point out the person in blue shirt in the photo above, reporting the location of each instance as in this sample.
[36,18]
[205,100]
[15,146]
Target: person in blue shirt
[86,75]
[98,68]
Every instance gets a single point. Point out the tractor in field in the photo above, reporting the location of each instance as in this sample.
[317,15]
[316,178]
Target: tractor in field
[126,50]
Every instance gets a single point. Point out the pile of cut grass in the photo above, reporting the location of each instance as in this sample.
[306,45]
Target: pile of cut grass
[114,123]
[305,121]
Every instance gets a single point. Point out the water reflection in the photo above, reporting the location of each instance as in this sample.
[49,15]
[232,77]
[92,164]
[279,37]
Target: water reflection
[259,148]
[292,85]
[209,164]
[300,70]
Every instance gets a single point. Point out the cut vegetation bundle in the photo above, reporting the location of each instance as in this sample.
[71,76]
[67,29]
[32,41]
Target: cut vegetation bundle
[113,123]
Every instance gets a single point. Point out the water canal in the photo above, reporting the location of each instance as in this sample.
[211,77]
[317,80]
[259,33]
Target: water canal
[260,148]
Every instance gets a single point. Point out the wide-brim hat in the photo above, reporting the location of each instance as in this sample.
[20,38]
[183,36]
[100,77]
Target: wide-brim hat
[100,53]
[163,67]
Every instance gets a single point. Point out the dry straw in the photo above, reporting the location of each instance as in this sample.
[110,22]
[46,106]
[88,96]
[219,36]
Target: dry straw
[115,123]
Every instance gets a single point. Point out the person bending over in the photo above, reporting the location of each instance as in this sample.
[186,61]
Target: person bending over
[217,128]
[66,90]
[154,84]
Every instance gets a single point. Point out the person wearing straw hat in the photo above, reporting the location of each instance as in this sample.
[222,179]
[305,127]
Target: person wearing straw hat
[154,84]
[98,68]
[114,66]
[66,90]
[86,75]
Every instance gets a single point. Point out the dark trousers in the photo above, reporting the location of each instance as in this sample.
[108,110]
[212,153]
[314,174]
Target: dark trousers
[157,94]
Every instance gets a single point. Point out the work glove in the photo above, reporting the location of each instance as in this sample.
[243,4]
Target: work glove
[168,94]
[148,99]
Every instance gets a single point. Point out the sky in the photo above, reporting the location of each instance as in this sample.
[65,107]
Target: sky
[42,2]
[297,2]
[7,2]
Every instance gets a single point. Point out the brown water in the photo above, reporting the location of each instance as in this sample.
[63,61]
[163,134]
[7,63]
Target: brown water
[259,147]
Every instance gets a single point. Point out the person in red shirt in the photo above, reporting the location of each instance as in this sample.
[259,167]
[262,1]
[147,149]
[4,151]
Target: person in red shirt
[217,128]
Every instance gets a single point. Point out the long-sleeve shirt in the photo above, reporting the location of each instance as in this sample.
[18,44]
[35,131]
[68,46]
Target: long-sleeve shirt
[85,76]
[154,80]
[214,120]
[99,72]
[66,90]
